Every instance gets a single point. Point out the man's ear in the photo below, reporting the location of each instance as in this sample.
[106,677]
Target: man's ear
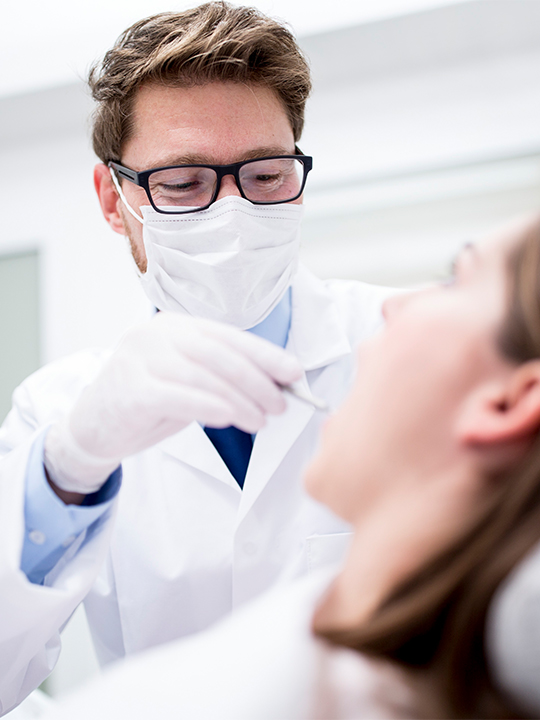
[503,412]
[108,198]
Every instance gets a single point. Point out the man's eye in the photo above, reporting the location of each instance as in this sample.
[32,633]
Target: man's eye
[179,186]
[266,178]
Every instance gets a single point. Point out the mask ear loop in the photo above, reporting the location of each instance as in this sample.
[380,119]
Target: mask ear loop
[123,198]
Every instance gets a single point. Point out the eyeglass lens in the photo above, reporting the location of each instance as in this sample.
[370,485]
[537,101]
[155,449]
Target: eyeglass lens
[262,181]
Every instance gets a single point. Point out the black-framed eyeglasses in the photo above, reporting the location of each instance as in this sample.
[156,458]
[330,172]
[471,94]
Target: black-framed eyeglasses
[182,189]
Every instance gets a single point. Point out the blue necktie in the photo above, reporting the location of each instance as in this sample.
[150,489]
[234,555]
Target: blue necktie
[235,447]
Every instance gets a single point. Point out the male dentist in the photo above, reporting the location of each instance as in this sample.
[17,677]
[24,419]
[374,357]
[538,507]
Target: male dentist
[197,118]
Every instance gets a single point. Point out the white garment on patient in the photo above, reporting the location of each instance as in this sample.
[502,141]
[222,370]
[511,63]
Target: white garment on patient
[262,663]
[513,633]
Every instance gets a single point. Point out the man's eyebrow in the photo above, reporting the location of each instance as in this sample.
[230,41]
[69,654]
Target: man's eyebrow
[265,152]
[197,159]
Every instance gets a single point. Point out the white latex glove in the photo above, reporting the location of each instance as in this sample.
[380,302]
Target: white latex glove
[165,374]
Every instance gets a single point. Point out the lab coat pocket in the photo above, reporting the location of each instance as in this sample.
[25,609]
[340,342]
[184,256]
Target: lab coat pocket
[326,550]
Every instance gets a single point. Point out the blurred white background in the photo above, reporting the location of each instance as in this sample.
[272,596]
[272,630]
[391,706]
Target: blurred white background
[424,126]
[52,43]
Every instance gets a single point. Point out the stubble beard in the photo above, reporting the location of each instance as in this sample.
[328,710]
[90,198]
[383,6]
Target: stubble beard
[136,251]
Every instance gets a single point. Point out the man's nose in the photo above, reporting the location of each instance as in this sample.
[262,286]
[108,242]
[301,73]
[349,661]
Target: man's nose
[228,187]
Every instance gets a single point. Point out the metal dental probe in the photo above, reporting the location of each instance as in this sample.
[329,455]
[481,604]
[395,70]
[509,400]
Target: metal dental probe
[304,396]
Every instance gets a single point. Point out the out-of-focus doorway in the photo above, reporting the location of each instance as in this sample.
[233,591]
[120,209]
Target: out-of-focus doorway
[19,322]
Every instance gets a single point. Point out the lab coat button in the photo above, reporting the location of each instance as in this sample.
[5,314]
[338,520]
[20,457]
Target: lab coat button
[250,548]
[37,537]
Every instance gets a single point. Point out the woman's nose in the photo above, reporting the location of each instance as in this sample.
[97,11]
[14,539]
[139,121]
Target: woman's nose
[394,303]
[228,187]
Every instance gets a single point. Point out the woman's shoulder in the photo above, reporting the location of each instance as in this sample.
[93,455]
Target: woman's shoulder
[261,663]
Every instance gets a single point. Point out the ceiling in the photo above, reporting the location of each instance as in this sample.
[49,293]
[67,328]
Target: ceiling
[44,44]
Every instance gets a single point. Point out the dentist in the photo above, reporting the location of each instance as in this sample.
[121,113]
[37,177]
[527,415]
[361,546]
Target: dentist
[197,118]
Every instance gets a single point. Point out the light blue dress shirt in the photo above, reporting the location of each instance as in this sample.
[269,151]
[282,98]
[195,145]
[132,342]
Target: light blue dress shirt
[52,527]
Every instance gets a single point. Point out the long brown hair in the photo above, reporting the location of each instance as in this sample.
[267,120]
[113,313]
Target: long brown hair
[433,624]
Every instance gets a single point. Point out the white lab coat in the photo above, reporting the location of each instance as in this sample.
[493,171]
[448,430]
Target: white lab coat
[262,663]
[187,546]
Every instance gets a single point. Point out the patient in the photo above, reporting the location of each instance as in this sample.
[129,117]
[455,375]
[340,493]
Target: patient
[434,459]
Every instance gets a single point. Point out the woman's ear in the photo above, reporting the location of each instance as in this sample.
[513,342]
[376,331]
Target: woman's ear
[504,411]
[108,198]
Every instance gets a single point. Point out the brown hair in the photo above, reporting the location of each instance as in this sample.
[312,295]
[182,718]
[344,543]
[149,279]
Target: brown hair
[433,624]
[214,42]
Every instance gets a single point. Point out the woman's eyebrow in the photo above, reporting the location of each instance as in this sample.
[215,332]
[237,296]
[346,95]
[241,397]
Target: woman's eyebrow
[467,249]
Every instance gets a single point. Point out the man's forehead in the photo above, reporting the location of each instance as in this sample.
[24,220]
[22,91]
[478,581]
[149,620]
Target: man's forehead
[217,123]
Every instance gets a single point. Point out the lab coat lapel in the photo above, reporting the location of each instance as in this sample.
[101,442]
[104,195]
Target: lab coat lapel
[192,446]
[271,445]
[318,335]
[317,338]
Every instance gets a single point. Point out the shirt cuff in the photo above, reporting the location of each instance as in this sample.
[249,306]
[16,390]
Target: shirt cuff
[51,526]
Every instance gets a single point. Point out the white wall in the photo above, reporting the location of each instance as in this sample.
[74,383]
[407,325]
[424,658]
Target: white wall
[89,290]
[425,131]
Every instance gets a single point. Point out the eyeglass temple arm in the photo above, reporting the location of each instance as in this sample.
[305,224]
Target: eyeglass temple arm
[116,184]
[124,171]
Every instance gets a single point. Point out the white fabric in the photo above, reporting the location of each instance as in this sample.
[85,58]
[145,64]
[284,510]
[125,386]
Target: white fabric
[165,374]
[237,279]
[263,663]
[187,545]
[513,634]
[35,706]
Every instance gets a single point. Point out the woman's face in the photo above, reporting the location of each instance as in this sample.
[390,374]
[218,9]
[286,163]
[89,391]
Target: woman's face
[413,381]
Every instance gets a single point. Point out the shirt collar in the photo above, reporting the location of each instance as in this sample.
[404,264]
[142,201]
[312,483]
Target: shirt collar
[275,327]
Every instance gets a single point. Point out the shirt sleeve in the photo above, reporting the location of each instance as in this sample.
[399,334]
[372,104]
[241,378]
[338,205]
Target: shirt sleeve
[51,526]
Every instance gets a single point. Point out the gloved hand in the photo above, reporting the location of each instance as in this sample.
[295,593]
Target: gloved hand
[164,374]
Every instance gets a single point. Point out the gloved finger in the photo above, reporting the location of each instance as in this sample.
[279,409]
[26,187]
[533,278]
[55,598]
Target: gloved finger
[239,372]
[247,370]
[178,403]
[188,372]
[276,362]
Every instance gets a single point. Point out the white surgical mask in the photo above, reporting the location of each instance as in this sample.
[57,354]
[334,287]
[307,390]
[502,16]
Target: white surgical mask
[232,262]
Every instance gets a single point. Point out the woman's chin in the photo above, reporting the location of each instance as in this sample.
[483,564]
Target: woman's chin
[320,471]
[310,478]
